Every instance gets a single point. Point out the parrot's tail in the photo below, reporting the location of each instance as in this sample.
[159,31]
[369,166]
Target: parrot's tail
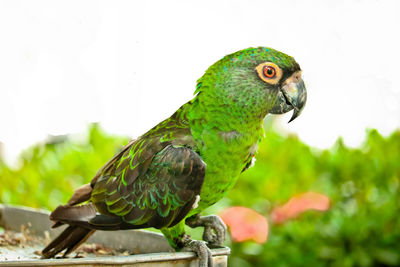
[75,234]
[69,239]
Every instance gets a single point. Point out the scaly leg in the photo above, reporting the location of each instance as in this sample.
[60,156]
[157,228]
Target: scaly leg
[181,242]
[214,228]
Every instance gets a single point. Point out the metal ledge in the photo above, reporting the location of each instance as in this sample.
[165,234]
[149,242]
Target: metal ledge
[153,248]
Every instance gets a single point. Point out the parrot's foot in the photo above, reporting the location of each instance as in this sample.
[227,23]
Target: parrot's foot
[201,249]
[214,228]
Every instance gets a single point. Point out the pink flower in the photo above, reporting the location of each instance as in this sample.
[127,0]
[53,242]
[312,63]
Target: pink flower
[299,204]
[245,224]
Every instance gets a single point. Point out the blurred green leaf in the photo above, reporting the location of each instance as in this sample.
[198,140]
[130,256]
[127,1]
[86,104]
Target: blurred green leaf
[362,227]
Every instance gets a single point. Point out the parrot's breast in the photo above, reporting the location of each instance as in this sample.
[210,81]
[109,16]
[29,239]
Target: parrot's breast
[226,154]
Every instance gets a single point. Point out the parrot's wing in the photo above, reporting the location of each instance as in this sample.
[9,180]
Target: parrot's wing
[151,190]
[140,188]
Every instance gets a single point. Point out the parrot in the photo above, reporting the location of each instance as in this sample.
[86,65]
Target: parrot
[165,178]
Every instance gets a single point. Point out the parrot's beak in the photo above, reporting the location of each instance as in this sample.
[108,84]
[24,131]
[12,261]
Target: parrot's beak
[296,95]
[292,95]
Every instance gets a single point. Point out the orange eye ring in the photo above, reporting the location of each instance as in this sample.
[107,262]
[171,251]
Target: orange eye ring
[269,72]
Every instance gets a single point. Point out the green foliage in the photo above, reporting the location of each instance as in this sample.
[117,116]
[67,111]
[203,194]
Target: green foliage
[48,173]
[362,228]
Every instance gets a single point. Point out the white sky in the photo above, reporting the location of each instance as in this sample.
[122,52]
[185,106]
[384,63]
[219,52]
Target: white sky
[130,64]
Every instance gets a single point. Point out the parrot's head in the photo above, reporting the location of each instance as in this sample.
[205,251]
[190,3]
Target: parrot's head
[256,80]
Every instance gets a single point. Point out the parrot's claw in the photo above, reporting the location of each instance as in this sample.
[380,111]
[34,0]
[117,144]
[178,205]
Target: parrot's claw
[214,228]
[202,251]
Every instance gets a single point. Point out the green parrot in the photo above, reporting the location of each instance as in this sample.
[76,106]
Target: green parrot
[169,175]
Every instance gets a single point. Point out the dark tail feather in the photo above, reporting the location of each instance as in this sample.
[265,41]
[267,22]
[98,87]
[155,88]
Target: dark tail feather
[69,239]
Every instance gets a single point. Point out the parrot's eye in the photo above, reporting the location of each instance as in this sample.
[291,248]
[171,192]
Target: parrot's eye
[269,72]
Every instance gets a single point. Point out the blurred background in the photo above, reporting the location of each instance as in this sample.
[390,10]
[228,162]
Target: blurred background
[78,79]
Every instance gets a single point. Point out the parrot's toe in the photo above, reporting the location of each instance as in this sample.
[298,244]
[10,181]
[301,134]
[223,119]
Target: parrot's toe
[202,251]
[214,229]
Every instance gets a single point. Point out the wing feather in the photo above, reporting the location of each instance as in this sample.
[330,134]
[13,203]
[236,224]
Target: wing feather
[154,184]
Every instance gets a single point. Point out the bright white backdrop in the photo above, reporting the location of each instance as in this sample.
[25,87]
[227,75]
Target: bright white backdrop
[130,64]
